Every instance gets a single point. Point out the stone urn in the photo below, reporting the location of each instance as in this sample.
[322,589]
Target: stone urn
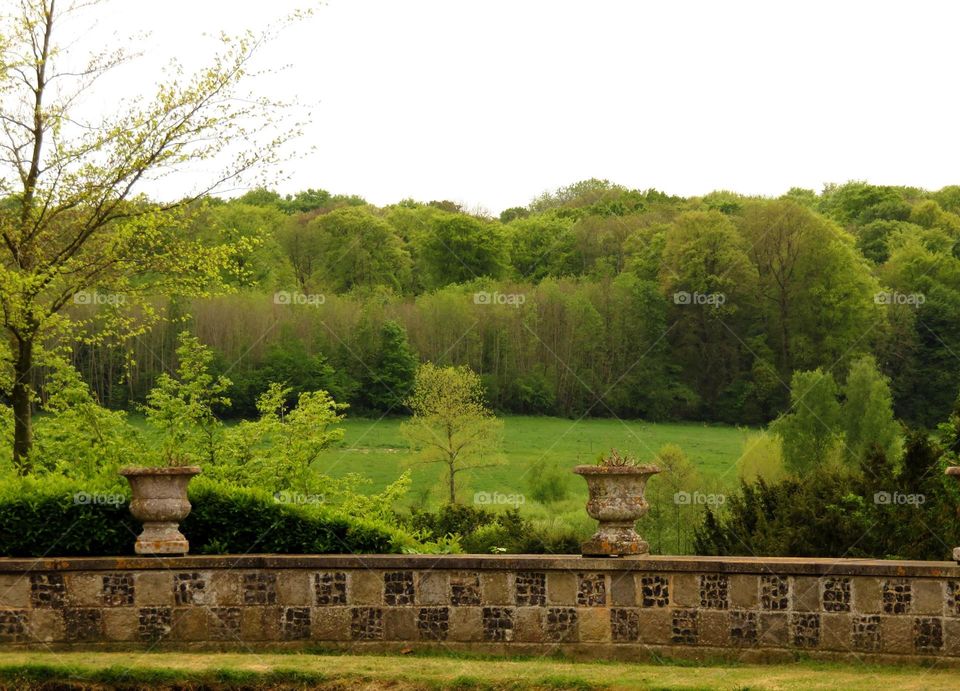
[955,471]
[159,501]
[616,501]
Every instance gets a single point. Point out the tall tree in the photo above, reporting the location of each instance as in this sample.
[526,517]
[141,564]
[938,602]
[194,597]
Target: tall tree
[451,424]
[812,429]
[359,248]
[72,216]
[817,289]
[868,412]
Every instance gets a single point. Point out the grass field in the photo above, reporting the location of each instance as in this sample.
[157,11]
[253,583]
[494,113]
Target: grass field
[187,671]
[377,450]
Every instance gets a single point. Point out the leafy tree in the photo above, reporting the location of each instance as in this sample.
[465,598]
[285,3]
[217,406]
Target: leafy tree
[73,218]
[181,408]
[305,201]
[451,423]
[391,373]
[541,246]
[817,291]
[811,430]
[277,451]
[300,242]
[358,248]
[80,438]
[868,412]
[460,248]
[708,278]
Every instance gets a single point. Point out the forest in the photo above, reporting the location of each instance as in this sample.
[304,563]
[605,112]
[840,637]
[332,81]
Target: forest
[592,300]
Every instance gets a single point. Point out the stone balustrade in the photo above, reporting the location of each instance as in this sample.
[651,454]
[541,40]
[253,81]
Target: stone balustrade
[629,608]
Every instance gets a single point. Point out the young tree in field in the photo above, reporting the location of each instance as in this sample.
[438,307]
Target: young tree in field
[72,214]
[451,423]
[812,429]
[868,412]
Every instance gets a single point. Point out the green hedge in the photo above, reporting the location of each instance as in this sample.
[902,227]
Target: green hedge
[51,518]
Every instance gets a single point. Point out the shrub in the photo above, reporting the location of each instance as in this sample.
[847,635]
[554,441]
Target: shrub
[51,515]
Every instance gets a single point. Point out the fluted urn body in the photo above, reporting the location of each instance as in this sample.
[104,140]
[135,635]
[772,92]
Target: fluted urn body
[616,501]
[159,501]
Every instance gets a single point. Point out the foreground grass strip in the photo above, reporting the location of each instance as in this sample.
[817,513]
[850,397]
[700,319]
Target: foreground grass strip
[226,670]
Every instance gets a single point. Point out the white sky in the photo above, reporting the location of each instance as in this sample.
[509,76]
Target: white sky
[491,102]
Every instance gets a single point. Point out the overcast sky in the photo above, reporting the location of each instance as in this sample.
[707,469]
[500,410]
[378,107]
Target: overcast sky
[491,102]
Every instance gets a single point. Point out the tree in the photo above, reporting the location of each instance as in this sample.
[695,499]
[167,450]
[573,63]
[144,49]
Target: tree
[72,217]
[358,248]
[391,373]
[817,290]
[710,282]
[868,412]
[458,248]
[182,408]
[811,431]
[451,423]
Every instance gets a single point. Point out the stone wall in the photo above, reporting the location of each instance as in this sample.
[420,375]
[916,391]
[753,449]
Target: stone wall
[634,608]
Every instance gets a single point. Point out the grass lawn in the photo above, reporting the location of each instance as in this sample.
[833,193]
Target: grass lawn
[377,450]
[228,670]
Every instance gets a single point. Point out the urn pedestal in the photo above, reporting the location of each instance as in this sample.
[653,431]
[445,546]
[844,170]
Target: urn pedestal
[616,502]
[159,501]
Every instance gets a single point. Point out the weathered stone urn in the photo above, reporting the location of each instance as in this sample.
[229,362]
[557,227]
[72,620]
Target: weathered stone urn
[955,471]
[616,501]
[160,502]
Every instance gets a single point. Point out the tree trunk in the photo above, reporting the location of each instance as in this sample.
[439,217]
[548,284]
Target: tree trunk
[453,490]
[21,397]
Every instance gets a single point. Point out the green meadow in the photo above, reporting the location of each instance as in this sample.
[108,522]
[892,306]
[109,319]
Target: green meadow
[376,449]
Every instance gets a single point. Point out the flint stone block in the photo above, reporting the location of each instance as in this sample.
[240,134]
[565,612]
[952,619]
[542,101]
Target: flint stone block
[294,588]
[836,631]
[806,594]
[928,597]
[226,588]
[623,589]
[466,624]
[496,588]
[561,588]
[153,588]
[686,590]
[866,595]
[528,624]
[120,623]
[744,591]
[656,625]
[83,590]
[365,587]
[14,591]
[433,588]
[594,624]
[896,634]
[46,625]
[400,623]
[331,623]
